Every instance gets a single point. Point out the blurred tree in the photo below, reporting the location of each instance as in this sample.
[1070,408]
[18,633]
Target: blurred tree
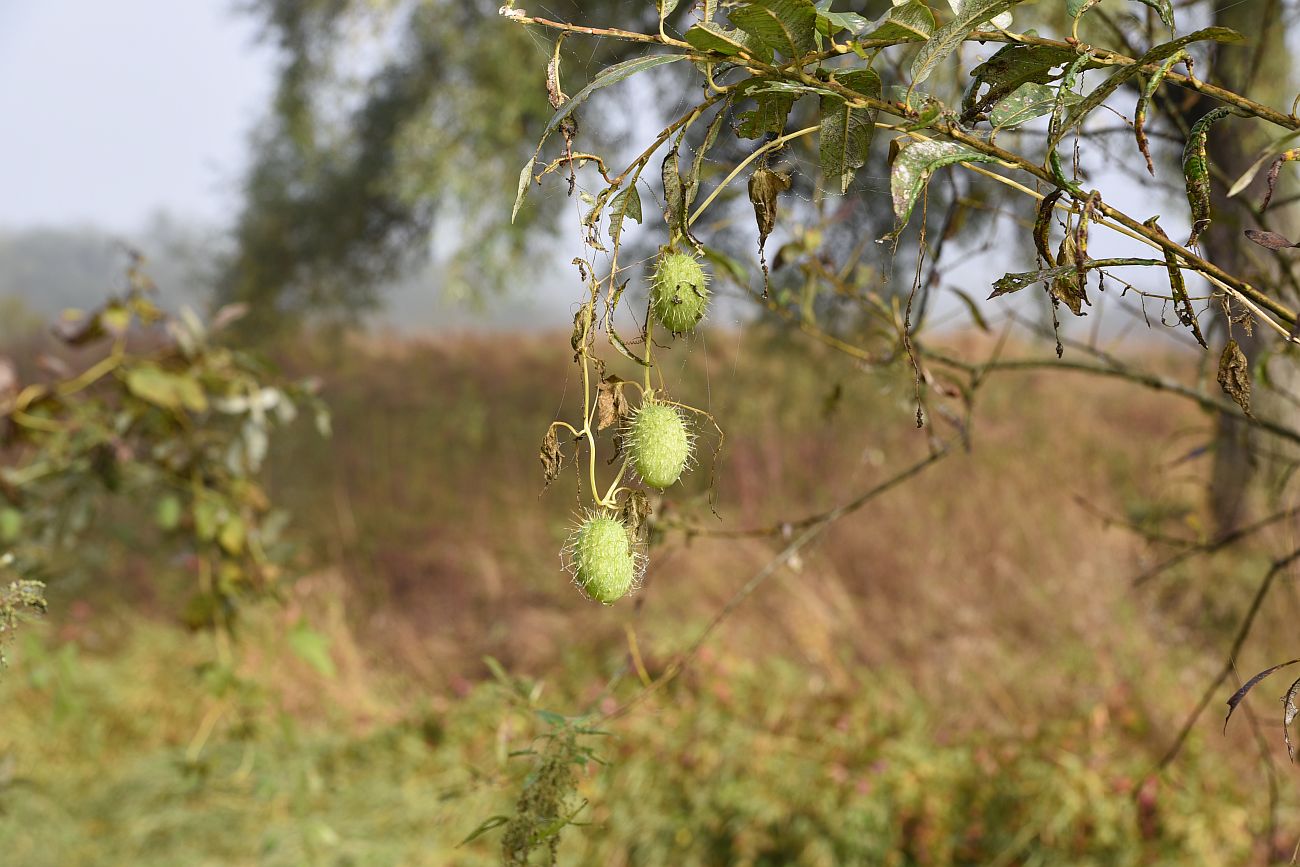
[358,162]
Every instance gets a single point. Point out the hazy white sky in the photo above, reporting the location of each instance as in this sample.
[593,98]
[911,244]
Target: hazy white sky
[113,110]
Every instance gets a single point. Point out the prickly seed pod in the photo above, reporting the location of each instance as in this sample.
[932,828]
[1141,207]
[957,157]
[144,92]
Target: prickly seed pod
[658,443]
[601,557]
[679,292]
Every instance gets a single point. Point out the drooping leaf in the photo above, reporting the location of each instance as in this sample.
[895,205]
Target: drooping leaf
[945,40]
[786,26]
[1144,99]
[1012,67]
[911,21]
[611,405]
[1274,170]
[1196,170]
[674,197]
[610,75]
[1251,684]
[625,205]
[1289,712]
[846,133]
[1028,102]
[1178,289]
[1234,375]
[697,162]
[914,165]
[1164,9]
[722,262]
[764,187]
[551,456]
[973,308]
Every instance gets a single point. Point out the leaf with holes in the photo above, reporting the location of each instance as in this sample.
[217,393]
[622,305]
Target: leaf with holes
[1007,71]
[914,165]
[846,132]
[1028,102]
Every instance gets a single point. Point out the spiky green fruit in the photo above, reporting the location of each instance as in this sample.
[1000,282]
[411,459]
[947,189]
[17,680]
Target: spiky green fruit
[603,562]
[679,292]
[658,443]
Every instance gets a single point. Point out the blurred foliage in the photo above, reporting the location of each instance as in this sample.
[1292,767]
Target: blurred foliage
[141,406]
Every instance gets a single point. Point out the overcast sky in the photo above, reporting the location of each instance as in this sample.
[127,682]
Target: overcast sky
[114,110]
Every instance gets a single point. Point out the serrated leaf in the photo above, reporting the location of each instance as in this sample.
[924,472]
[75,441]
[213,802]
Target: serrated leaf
[846,133]
[610,75]
[914,165]
[946,39]
[785,26]
[627,204]
[1028,102]
[1234,375]
[907,22]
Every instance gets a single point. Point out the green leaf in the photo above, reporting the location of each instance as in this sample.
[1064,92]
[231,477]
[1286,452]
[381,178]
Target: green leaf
[168,390]
[946,39]
[488,825]
[1028,102]
[786,26]
[674,197]
[626,204]
[610,75]
[1196,170]
[168,512]
[829,23]
[711,36]
[525,180]
[11,525]
[846,133]
[1164,9]
[908,22]
[973,308]
[312,648]
[769,113]
[914,165]
[729,264]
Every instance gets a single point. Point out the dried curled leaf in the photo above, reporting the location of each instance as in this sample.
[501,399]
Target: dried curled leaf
[636,513]
[611,404]
[1178,289]
[1269,240]
[551,456]
[764,186]
[1246,687]
[1144,100]
[1234,375]
[1274,170]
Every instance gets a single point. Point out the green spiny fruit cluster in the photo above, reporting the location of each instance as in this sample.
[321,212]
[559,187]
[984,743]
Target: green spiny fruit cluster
[602,559]
[658,443]
[679,292]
